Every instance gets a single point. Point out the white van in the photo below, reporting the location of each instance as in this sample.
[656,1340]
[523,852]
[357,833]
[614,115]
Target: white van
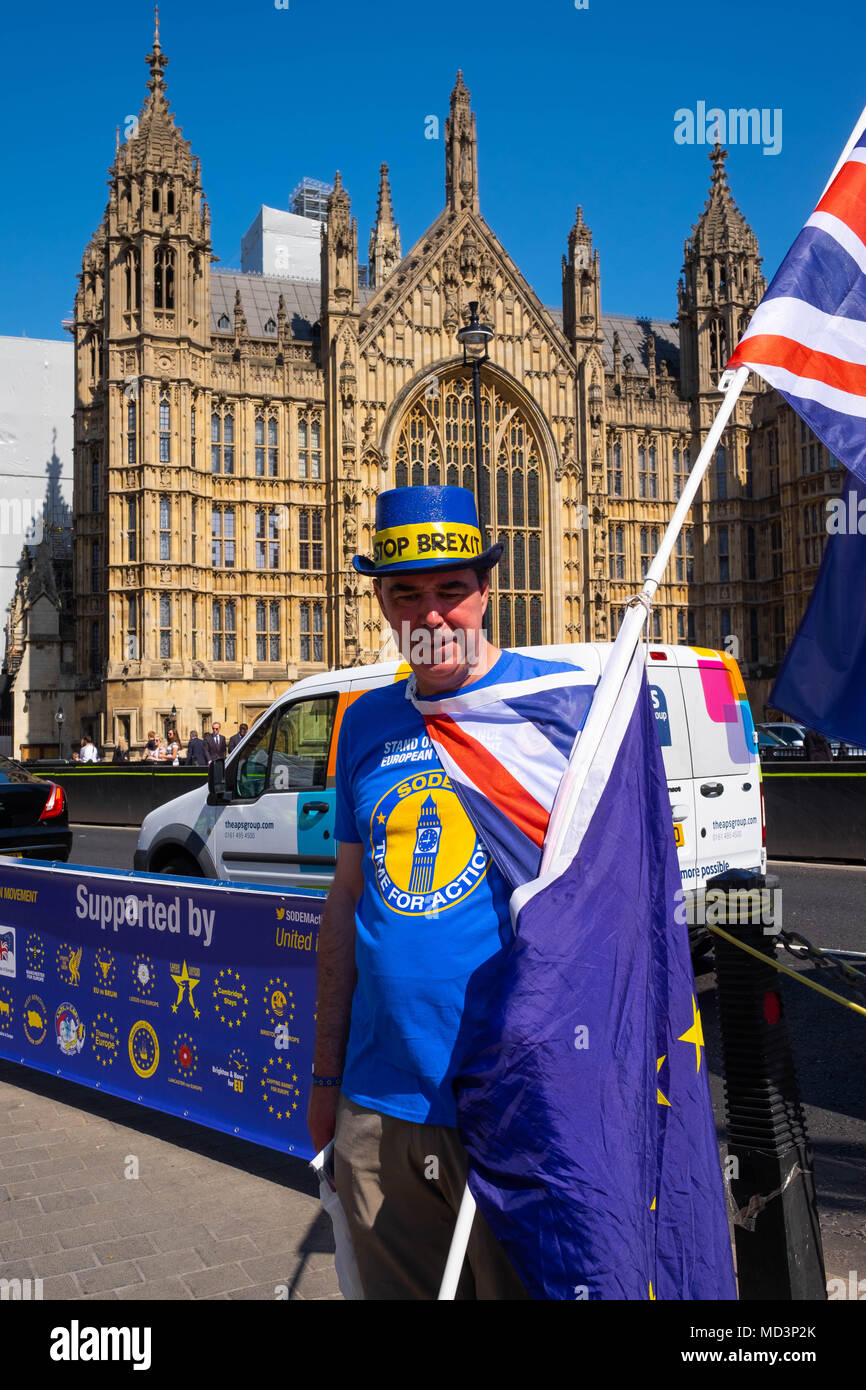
[273,822]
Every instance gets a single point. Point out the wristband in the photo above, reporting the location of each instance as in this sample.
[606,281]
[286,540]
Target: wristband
[327,1080]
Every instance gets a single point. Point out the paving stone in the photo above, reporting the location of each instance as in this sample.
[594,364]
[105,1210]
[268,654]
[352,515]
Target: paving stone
[223,1252]
[52,1166]
[87,1235]
[279,1268]
[35,1187]
[168,1289]
[16,1269]
[65,1201]
[109,1277]
[170,1262]
[65,1261]
[63,1286]
[219,1279]
[29,1246]
[127,1248]
[180,1237]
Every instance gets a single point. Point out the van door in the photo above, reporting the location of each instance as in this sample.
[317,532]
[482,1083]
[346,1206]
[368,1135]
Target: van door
[279,826]
[671,727]
[725,766]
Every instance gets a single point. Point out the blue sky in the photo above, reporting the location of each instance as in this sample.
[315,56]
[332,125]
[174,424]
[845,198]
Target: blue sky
[572,106]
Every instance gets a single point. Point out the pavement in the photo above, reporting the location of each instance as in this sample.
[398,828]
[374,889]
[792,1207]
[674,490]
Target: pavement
[207,1217]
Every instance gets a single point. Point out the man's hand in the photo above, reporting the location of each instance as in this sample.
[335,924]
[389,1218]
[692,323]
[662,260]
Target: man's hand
[322,1115]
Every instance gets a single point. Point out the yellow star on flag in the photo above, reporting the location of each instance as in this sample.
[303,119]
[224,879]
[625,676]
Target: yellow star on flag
[695,1034]
[660,1099]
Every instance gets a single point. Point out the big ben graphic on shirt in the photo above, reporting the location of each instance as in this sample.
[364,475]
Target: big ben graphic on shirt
[426,847]
[426,854]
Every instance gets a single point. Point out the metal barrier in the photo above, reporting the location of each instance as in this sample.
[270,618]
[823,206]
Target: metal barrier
[117,793]
[815,810]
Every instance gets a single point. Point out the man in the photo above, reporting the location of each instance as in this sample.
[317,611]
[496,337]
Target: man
[215,744]
[237,738]
[416,909]
[196,753]
[87,752]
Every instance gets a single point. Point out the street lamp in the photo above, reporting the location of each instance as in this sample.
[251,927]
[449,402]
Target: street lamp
[173,718]
[474,338]
[59,718]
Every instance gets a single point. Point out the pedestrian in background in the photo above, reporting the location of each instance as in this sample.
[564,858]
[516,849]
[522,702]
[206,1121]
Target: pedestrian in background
[87,753]
[215,743]
[196,753]
[243,730]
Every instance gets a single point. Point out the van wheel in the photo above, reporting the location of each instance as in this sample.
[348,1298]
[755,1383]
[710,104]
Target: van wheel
[181,865]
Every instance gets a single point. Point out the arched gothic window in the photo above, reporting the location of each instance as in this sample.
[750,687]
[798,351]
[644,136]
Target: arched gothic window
[163,278]
[436,443]
[131,281]
[718,345]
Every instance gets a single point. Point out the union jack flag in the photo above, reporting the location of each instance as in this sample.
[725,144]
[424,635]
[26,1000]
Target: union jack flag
[505,748]
[807,337]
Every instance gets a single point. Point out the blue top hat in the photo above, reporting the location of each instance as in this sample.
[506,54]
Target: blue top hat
[426,528]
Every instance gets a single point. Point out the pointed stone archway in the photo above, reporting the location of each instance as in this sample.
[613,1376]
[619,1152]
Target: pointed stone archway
[430,438]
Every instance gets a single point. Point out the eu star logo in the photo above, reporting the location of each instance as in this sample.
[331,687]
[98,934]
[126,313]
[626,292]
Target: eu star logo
[186,983]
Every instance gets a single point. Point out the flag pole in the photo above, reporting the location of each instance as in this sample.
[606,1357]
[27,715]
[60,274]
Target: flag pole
[628,637]
[591,736]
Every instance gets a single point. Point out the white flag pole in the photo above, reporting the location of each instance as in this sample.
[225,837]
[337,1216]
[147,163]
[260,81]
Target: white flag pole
[592,733]
[629,634]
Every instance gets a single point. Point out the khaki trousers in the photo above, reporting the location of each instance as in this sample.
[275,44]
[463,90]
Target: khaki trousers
[400,1185]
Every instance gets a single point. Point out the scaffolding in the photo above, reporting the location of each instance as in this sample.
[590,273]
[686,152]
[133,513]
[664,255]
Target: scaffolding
[310,199]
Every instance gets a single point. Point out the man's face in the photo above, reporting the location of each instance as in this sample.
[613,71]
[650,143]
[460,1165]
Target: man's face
[216,728]
[436,616]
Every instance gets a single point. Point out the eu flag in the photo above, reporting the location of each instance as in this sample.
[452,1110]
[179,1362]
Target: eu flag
[583,1100]
[823,677]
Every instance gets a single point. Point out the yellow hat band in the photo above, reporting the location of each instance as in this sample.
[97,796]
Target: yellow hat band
[430,540]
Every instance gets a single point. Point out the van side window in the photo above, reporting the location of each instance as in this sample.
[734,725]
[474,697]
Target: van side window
[299,760]
[253,765]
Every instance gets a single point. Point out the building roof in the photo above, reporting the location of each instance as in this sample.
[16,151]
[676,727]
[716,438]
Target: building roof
[260,297]
[634,333]
[632,330]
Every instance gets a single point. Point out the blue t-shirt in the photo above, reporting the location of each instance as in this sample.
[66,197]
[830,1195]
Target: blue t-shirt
[434,906]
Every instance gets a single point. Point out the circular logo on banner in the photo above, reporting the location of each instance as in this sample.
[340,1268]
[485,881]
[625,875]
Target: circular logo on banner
[69,1030]
[143,976]
[185,1055]
[426,854]
[280,1090]
[104,1040]
[279,1001]
[230,998]
[35,1019]
[143,1049]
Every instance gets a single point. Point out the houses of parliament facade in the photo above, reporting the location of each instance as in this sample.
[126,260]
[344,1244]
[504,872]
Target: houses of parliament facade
[233,430]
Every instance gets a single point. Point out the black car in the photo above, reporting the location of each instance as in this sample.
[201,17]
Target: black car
[34,815]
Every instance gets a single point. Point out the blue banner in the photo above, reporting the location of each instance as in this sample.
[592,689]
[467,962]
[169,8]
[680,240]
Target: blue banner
[184,995]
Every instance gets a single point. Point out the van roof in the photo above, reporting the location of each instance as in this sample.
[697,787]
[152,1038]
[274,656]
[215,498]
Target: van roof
[591,654]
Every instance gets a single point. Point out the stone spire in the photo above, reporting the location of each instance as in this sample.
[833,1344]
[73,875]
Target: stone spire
[384,252]
[581,284]
[721,284]
[461,163]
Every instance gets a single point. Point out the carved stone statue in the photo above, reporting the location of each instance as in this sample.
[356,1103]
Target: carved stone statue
[348,422]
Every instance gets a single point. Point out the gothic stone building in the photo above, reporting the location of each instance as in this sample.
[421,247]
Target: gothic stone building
[232,432]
